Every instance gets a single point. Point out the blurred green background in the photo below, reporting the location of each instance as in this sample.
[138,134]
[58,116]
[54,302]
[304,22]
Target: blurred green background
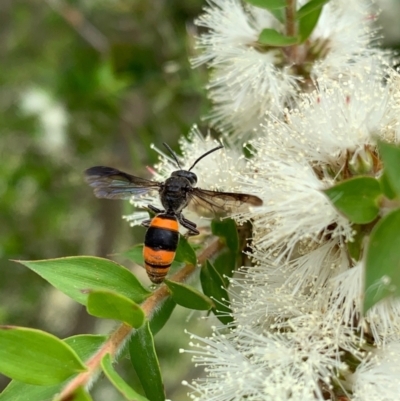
[83,83]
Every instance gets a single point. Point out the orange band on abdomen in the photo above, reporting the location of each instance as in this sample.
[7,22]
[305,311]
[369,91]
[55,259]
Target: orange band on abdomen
[158,257]
[162,222]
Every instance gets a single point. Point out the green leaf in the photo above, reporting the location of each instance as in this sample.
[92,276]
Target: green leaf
[110,305]
[213,286]
[144,360]
[271,37]
[386,186]
[83,345]
[390,155]
[268,4]
[275,7]
[357,198]
[35,357]
[226,229]
[189,297]
[225,264]
[355,247]
[310,7]
[119,383]
[161,315]
[308,23]
[185,253]
[75,275]
[80,394]
[382,264]
[135,254]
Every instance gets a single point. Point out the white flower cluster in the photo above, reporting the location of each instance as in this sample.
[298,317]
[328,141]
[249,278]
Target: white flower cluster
[299,331]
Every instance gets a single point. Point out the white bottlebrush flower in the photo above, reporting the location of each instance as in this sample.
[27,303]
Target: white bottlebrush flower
[294,207]
[378,376]
[300,364]
[248,80]
[346,34]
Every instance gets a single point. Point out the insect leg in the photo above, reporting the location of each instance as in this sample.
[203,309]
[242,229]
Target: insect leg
[146,223]
[188,221]
[188,224]
[154,209]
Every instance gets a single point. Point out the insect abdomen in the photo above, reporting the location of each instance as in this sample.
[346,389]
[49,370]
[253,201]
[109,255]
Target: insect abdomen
[160,243]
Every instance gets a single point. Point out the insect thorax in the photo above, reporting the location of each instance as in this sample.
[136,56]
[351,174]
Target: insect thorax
[174,194]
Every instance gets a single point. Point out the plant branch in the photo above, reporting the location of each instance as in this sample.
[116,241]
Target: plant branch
[121,335]
[291,28]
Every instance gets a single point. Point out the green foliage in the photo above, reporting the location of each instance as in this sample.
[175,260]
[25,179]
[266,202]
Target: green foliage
[111,305]
[119,383]
[185,253]
[357,198]
[226,230]
[307,23]
[306,18]
[144,360]
[35,357]
[310,7]
[80,394]
[161,315]
[214,286]
[75,276]
[390,155]
[382,265]
[363,200]
[83,345]
[271,37]
[275,7]
[188,296]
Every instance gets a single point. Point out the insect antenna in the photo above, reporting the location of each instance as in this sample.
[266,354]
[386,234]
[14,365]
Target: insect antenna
[173,155]
[205,154]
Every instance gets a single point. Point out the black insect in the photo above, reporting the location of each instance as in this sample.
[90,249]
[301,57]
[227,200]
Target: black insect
[176,192]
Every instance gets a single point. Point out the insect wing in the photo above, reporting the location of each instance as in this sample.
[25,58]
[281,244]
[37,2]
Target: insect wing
[221,202]
[111,183]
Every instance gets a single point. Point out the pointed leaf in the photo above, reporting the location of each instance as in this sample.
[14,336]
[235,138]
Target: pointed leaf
[308,23]
[382,264]
[275,7]
[357,198]
[36,357]
[214,287]
[135,254]
[75,275]
[189,297]
[386,186]
[119,383]
[390,155]
[144,360]
[185,253]
[110,305]
[271,37]
[311,6]
[80,394]
[161,315]
[83,345]
[225,264]
[226,229]
[355,247]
